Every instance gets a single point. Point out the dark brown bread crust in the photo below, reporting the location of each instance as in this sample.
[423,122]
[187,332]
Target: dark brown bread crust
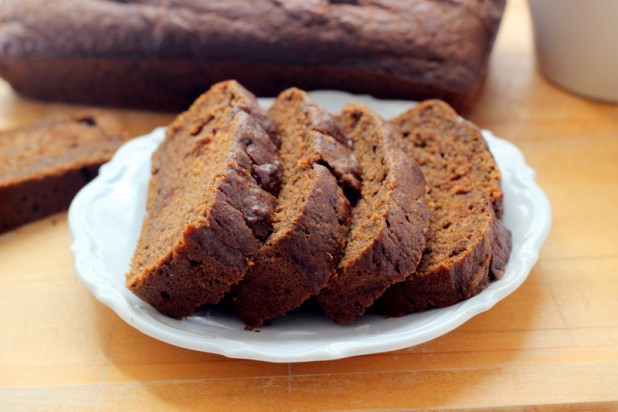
[210,203]
[468,246]
[43,165]
[312,216]
[164,56]
[387,232]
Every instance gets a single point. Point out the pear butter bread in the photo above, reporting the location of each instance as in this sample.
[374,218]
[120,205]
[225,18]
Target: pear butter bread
[468,245]
[163,54]
[312,215]
[273,209]
[44,164]
[387,230]
[211,202]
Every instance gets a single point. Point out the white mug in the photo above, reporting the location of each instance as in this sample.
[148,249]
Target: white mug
[576,43]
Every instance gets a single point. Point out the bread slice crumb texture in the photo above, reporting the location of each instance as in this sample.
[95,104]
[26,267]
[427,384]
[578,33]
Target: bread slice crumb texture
[312,215]
[467,245]
[387,231]
[210,203]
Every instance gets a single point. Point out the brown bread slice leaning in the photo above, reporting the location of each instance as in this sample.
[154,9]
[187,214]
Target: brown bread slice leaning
[210,203]
[387,231]
[312,216]
[43,165]
[467,245]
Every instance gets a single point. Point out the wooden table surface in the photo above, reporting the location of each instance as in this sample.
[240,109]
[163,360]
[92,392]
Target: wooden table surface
[551,345]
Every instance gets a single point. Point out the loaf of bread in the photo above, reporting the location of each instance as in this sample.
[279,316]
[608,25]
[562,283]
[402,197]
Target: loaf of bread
[44,164]
[468,246]
[211,202]
[312,215]
[388,225]
[163,55]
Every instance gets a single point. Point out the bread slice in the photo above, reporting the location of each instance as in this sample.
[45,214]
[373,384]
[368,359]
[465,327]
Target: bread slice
[210,205]
[387,231]
[44,164]
[467,245]
[312,215]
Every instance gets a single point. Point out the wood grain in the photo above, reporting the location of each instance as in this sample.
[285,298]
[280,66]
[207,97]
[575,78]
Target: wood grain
[552,345]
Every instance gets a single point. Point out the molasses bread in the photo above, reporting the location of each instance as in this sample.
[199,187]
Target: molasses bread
[44,164]
[387,231]
[162,55]
[468,246]
[210,205]
[312,215]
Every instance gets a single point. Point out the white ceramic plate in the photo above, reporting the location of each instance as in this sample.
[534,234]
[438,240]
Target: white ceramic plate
[106,216]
